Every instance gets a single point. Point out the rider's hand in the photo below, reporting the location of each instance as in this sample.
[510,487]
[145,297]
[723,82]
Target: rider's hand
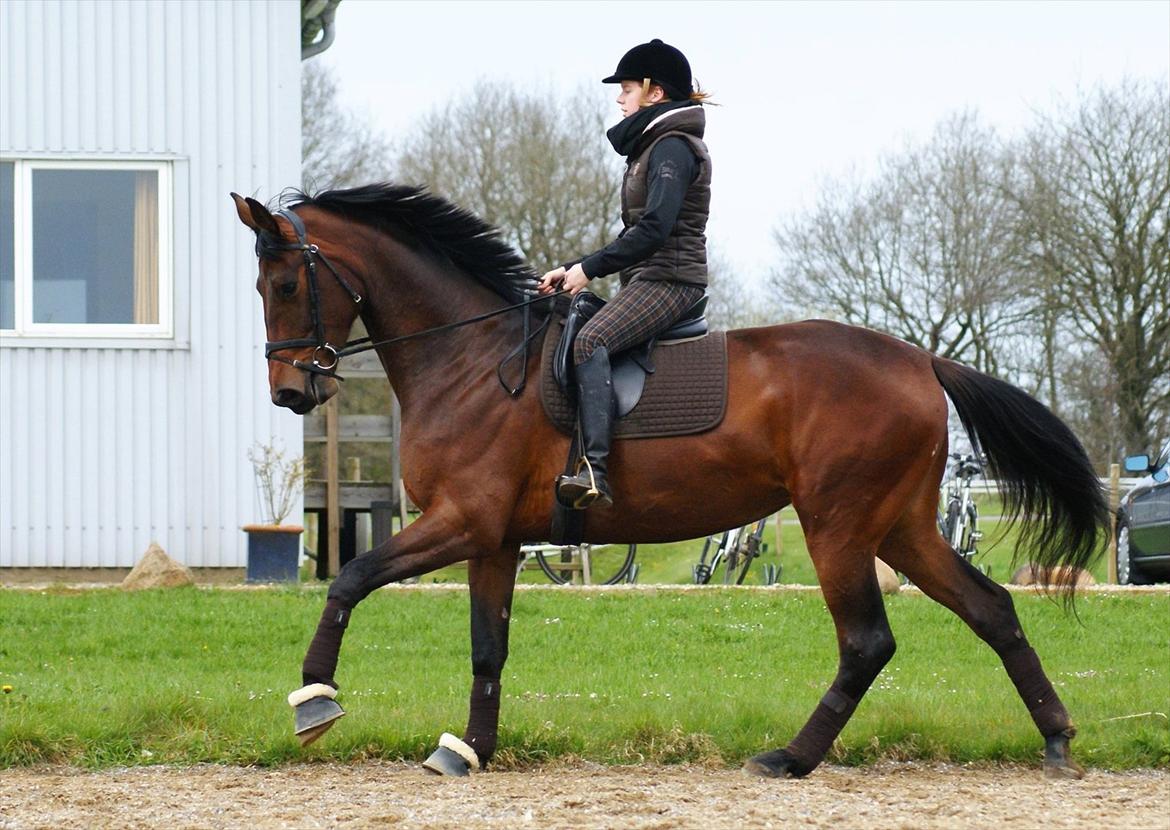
[575,279]
[550,281]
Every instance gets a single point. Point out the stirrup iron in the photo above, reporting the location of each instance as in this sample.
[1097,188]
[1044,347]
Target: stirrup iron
[590,495]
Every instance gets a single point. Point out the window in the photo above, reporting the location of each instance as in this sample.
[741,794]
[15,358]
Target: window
[85,249]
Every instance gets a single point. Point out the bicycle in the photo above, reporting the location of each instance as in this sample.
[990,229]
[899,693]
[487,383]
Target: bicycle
[595,564]
[959,524]
[735,550]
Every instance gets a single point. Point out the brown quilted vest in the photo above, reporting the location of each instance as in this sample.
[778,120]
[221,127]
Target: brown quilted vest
[683,257]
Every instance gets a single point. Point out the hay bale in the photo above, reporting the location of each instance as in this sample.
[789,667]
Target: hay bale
[157,570]
[1032,574]
[888,579]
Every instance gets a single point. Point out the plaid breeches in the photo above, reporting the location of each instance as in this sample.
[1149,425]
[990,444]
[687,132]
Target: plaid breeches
[639,311]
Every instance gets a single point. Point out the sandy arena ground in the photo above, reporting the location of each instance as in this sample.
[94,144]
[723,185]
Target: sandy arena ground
[898,796]
[910,796]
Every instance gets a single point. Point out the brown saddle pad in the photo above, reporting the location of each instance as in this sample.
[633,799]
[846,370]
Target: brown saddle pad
[687,393]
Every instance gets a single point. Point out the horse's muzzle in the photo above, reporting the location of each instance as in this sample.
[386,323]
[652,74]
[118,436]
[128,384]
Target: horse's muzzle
[315,390]
[293,399]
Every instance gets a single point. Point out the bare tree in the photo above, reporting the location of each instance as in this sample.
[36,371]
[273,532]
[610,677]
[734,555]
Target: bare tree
[926,250]
[536,165]
[339,148]
[1089,402]
[1095,196]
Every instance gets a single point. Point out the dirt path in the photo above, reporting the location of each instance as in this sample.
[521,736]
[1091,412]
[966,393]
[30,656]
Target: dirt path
[578,796]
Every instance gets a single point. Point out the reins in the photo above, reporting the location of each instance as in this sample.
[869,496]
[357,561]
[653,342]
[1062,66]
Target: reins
[364,344]
[334,354]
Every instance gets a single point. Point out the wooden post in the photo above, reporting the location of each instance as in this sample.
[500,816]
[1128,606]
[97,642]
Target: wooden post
[396,459]
[1114,500]
[332,487]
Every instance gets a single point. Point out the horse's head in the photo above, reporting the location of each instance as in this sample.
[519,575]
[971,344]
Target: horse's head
[307,313]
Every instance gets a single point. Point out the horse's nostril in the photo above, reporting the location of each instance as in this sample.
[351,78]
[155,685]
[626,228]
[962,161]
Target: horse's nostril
[288,397]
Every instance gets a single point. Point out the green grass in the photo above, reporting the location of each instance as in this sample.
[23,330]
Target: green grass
[105,678]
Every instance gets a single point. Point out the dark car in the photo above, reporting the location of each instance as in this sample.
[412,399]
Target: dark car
[1143,522]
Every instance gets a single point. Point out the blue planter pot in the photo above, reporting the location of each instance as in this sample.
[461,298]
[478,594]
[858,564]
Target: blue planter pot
[274,552]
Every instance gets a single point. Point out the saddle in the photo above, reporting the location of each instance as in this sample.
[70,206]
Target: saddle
[674,384]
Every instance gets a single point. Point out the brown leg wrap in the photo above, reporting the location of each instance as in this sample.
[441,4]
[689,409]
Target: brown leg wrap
[484,719]
[813,741]
[1049,714]
[321,660]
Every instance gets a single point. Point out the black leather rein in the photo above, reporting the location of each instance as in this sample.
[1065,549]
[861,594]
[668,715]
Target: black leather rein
[333,354]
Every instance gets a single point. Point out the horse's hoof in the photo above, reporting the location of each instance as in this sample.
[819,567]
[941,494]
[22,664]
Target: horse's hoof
[315,711]
[1058,765]
[453,757]
[1069,771]
[314,717]
[776,764]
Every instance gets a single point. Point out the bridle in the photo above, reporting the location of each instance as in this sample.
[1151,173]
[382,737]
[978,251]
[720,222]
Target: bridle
[332,354]
[320,345]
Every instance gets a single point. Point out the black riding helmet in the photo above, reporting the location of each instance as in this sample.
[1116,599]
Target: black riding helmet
[661,63]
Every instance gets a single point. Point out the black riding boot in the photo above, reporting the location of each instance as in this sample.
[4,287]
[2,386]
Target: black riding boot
[595,414]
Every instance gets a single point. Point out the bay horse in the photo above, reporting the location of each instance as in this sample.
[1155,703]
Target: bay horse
[847,425]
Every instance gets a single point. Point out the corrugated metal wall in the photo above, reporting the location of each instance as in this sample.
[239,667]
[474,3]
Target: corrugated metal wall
[103,450]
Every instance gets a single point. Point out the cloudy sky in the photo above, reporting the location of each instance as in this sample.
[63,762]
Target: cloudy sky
[808,90]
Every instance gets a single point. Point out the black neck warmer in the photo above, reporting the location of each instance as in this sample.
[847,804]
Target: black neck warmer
[624,135]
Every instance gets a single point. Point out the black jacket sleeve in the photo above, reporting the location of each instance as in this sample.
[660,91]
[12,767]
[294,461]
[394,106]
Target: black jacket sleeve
[672,168]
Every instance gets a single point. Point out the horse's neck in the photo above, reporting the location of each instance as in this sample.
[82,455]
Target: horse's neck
[415,294]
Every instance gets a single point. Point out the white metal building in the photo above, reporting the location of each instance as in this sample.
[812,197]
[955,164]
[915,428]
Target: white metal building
[132,376]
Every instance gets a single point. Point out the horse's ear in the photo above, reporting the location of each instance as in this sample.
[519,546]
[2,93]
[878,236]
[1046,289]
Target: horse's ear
[255,215]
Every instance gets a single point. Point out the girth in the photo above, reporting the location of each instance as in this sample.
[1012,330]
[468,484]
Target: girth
[630,367]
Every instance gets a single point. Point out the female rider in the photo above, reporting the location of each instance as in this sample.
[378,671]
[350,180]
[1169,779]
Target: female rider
[661,254]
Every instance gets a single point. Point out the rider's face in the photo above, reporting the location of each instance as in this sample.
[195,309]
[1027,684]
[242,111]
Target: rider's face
[631,99]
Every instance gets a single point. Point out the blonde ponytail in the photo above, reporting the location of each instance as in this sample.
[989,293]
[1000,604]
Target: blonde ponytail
[700,96]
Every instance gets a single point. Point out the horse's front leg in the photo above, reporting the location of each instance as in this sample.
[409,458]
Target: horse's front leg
[437,539]
[491,579]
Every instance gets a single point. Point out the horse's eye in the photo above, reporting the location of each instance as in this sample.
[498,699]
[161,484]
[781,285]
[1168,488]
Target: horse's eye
[287,289]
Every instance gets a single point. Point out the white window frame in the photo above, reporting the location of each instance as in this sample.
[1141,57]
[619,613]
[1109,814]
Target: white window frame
[24,328]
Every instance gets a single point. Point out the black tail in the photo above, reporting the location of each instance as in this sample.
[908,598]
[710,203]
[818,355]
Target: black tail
[1043,471]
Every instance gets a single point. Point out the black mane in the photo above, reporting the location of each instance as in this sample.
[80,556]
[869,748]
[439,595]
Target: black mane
[471,244]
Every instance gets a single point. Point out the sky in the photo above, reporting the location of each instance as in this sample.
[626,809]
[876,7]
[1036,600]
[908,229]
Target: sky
[808,91]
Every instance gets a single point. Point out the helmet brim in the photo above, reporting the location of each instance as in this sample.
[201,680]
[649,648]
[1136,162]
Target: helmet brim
[675,95]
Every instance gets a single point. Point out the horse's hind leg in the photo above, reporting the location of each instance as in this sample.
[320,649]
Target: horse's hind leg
[916,548]
[865,643]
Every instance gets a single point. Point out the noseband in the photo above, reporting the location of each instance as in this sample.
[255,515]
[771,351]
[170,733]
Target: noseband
[321,346]
[332,354]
